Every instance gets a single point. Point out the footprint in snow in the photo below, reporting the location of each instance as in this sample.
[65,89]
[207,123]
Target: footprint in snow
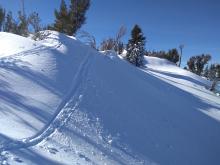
[17,160]
[52,150]
[84,157]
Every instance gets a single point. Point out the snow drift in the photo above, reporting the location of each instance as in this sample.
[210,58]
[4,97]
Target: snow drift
[62,102]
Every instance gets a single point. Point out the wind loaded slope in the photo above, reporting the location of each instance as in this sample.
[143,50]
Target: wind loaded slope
[63,103]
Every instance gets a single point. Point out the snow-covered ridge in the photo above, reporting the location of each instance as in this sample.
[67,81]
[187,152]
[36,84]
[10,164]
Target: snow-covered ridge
[38,75]
[64,103]
[12,44]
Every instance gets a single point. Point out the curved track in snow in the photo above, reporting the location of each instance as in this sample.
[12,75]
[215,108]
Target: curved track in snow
[60,116]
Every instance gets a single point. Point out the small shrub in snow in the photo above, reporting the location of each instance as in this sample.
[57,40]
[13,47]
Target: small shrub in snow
[41,35]
[196,64]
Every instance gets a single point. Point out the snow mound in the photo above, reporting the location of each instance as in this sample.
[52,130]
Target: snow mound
[165,68]
[12,44]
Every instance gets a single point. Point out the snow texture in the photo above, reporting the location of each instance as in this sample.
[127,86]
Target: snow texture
[62,102]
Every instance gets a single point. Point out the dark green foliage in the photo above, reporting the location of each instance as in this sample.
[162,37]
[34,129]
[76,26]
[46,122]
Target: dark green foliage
[69,20]
[78,10]
[159,54]
[135,47]
[196,64]
[2,17]
[214,75]
[212,72]
[191,64]
[173,55]
[62,22]
[217,70]
[206,71]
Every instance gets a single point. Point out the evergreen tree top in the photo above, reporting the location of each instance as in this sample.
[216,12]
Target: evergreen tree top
[63,10]
[70,18]
[137,35]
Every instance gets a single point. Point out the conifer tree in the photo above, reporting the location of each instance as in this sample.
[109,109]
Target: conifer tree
[173,56]
[10,25]
[135,47]
[2,17]
[196,64]
[78,10]
[22,28]
[206,72]
[62,22]
[212,72]
[217,71]
[69,20]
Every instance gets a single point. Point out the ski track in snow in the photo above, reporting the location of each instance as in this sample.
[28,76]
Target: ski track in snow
[61,114]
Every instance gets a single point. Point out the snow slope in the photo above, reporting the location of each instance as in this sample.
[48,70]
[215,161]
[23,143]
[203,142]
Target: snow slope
[33,83]
[13,44]
[64,103]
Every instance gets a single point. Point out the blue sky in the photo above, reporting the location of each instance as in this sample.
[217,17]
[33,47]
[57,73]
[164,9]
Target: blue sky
[165,23]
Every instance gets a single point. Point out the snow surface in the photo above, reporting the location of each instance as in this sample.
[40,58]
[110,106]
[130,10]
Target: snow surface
[64,103]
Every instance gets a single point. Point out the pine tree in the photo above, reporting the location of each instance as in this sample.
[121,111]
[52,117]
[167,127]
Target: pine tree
[212,72]
[173,55]
[22,25]
[214,75]
[70,20]
[196,64]
[135,47]
[2,17]
[10,25]
[217,71]
[206,72]
[78,10]
[62,22]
